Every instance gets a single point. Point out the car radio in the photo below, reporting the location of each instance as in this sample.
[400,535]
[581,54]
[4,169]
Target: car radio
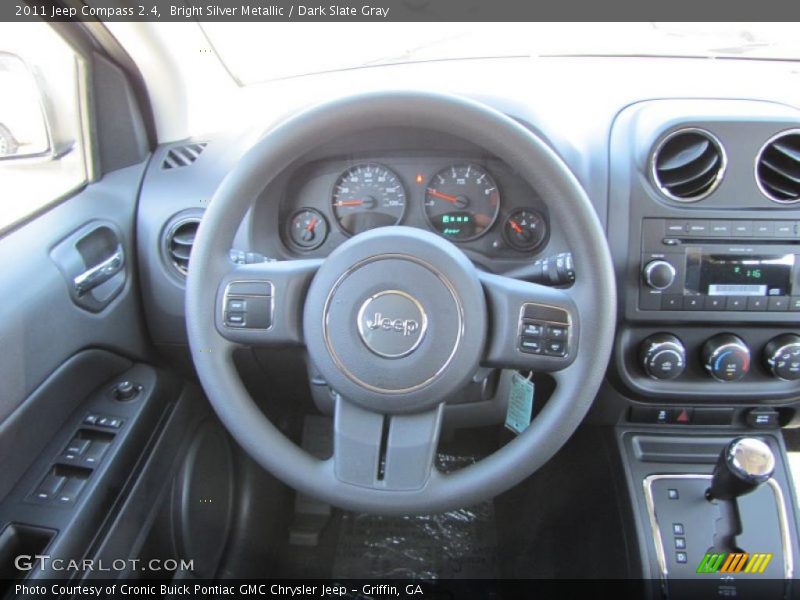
[711,265]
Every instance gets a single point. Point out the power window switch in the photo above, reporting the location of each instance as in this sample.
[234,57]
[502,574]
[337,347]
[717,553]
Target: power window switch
[49,487]
[77,447]
[70,491]
[95,452]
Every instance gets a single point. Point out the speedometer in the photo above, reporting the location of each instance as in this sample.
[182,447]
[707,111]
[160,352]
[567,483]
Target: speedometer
[367,196]
[462,202]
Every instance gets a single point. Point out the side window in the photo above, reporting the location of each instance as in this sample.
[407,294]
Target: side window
[43,148]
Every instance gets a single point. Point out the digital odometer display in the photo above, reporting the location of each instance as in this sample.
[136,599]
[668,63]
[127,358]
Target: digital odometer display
[728,275]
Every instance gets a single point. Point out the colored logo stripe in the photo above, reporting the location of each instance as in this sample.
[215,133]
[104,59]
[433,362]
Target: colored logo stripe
[735,562]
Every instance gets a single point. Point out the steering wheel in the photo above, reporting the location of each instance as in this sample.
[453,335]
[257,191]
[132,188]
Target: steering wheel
[398,320]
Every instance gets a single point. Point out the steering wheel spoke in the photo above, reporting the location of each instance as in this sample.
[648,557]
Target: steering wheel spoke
[262,304]
[384,452]
[532,327]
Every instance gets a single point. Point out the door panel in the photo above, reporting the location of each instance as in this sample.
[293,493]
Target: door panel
[42,327]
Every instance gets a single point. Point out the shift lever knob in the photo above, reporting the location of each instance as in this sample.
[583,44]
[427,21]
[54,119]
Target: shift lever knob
[743,465]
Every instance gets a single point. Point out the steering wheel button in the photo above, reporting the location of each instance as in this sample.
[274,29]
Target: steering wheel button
[236,305]
[556,333]
[532,330]
[235,319]
[555,348]
[531,345]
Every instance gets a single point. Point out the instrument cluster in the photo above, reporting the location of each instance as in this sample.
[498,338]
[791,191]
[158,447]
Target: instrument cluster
[477,203]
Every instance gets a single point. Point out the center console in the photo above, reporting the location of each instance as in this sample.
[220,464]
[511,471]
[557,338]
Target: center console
[707,352]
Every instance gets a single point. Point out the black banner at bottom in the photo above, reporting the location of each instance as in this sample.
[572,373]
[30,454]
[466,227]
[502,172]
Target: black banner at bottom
[373,589]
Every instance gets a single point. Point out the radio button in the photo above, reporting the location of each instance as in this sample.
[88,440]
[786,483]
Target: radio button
[650,300]
[778,303]
[720,228]
[699,228]
[794,303]
[714,303]
[676,227]
[742,228]
[693,303]
[784,229]
[757,303]
[763,228]
[672,302]
[736,303]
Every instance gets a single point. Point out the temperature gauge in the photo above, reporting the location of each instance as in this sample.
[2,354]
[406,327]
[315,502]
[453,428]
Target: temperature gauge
[525,229]
[307,229]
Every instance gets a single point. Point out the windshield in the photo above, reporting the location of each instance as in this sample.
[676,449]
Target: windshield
[258,52]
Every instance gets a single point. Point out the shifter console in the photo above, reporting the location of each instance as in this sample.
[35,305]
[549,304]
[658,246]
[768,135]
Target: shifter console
[723,534]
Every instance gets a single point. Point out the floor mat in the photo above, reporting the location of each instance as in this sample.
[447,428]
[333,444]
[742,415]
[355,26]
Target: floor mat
[456,544]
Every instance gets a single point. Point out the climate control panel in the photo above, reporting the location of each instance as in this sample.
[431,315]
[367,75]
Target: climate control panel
[724,357]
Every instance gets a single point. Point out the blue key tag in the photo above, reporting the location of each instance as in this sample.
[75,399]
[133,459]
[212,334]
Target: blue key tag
[520,404]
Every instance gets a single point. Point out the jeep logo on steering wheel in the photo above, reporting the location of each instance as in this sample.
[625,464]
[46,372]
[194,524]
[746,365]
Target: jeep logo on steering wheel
[404,326]
[392,323]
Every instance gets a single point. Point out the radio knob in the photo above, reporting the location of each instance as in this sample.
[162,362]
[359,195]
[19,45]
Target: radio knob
[662,356]
[782,356]
[659,274]
[726,357]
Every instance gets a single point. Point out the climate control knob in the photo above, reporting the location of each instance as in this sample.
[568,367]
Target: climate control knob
[662,356]
[659,274]
[782,356]
[726,357]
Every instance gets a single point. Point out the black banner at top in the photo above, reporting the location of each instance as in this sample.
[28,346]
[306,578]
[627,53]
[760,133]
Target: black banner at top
[399,10]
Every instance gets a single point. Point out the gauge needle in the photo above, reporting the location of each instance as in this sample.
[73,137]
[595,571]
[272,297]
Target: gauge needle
[311,225]
[350,203]
[442,196]
[515,226]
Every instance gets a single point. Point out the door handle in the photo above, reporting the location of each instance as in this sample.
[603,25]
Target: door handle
[100,273]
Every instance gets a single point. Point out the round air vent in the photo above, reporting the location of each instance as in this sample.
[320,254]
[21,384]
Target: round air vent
[778,168]
[180,238]
[688,165]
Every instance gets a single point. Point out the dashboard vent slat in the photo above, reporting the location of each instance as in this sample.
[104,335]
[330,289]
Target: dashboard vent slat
[682,153]
[698,170]
[778,168]
[688,165]
[183,156]
[179,243]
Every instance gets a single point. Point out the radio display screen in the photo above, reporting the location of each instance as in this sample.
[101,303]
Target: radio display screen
[739,275]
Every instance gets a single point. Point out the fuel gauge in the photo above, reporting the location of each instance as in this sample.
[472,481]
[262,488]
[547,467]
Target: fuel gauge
[307,229]
[525,229]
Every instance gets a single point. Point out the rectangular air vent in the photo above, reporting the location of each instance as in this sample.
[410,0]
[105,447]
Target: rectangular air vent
[183,156]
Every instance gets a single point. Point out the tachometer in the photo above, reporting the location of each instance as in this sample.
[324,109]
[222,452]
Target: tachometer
[367,196]
[462,202]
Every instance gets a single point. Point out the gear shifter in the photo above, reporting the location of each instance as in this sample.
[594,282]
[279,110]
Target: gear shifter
[743,465]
